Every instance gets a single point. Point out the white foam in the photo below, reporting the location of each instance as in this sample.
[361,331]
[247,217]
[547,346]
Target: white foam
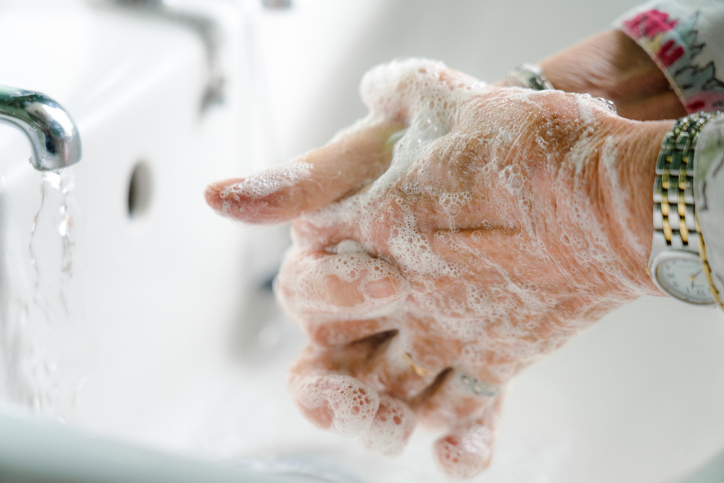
[391,427]
[310,294]
[269,181]
[465,455]
[352,403]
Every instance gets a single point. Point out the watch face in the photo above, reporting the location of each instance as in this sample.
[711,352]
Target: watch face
[681,275]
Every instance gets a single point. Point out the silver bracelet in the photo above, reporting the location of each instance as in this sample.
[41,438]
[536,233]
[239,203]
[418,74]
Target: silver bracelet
[530,76]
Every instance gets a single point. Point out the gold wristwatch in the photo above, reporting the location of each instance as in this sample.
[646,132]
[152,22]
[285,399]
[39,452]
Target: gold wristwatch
[678,263]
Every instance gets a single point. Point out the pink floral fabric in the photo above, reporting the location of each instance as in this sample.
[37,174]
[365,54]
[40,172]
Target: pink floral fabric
[686,39]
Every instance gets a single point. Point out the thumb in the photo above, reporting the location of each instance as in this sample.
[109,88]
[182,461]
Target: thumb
[310,182]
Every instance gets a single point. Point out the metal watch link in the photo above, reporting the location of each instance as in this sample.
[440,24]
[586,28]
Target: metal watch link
[675,265]
[529,76]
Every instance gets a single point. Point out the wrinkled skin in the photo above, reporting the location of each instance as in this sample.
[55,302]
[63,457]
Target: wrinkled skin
[526,225]
[613,66]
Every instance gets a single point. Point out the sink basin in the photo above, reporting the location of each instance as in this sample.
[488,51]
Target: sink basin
[155,276]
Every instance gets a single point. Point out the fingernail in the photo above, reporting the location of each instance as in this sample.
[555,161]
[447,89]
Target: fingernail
[218,188]
[211,193]
[380,289]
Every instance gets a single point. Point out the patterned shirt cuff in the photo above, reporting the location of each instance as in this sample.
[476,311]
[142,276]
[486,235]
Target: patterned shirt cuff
[674,35]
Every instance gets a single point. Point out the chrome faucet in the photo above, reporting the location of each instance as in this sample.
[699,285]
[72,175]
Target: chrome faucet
[51,131]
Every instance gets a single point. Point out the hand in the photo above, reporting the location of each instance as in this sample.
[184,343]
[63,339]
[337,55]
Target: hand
[508,221]
[613,66]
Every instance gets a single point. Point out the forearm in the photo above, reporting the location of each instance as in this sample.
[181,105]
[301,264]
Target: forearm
[611,65]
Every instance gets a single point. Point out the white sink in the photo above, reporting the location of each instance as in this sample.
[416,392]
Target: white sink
[170,343]
[157,287]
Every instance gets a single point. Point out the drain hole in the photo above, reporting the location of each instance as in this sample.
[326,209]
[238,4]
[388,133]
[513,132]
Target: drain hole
[139,190]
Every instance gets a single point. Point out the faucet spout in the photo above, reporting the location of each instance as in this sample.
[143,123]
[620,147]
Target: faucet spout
[50,129]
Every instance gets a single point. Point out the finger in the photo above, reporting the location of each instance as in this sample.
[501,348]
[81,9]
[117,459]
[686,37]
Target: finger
[468,449]
[308,232]
[330,398]
[409,364]
[391,428]
[339,333]
[457,396]
[331,286]
[315,180]
[336,402]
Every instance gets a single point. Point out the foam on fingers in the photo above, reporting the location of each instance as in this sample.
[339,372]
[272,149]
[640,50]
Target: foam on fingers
[392,426]
[466,453]
[338,284]
[401,369]
[459,397]
[261,197]
[337,402]
[323,176]
[468,449]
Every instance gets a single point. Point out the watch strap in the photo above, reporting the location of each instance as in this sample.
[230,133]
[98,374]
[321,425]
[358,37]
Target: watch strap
[674,208]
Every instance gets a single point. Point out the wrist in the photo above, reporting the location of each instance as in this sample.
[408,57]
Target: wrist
[627,168]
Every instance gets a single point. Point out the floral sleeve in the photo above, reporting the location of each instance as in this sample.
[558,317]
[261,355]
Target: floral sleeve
[686,39]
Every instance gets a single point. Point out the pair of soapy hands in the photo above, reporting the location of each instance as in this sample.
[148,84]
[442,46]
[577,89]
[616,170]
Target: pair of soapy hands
[508,221]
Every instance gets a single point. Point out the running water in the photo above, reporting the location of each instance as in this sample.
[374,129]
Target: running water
[61,183]
[44,336]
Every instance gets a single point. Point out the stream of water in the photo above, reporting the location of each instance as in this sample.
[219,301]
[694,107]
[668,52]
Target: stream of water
[44,337]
